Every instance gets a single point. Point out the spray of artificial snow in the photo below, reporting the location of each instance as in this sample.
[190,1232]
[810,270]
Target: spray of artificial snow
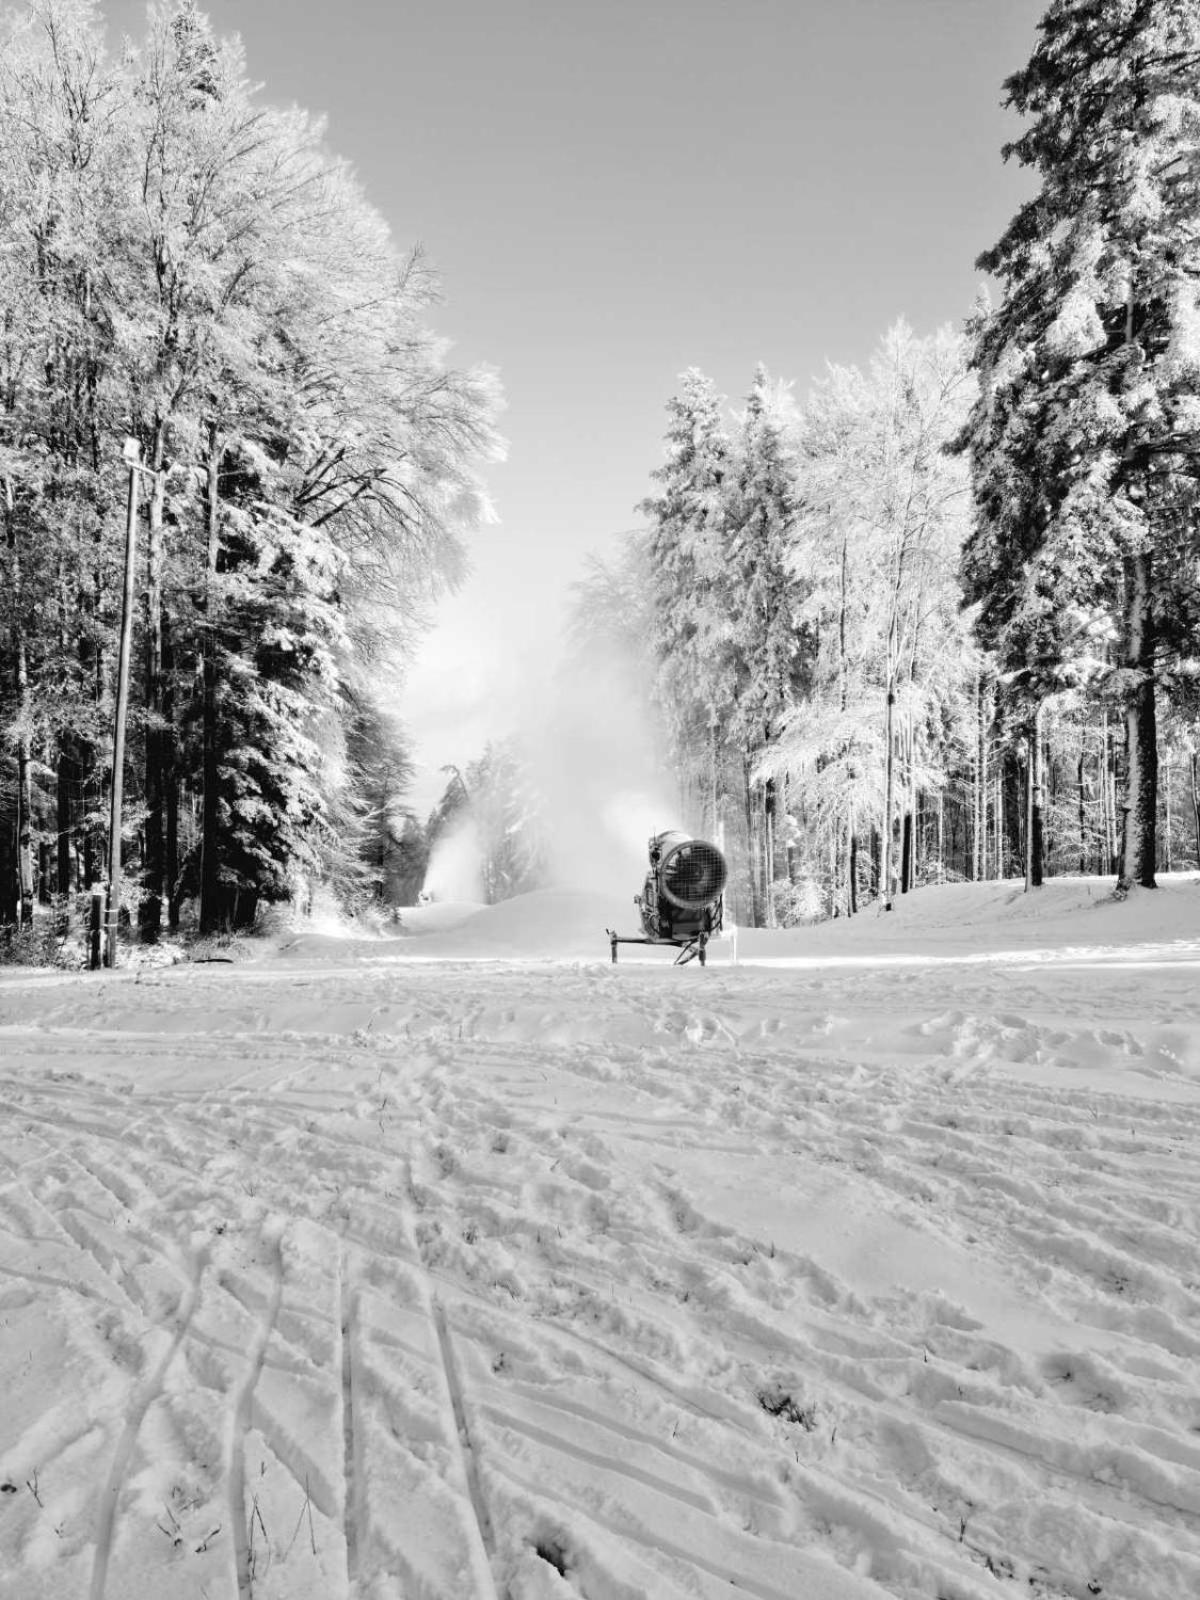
[598,765]
[455,868]
[594,764]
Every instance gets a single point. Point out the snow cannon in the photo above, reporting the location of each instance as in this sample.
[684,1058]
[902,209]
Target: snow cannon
[682,900]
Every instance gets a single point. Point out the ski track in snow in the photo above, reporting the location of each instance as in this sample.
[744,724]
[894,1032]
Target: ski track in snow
[515,1282]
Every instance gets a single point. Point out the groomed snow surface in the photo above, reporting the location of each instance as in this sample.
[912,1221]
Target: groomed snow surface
[464,1265]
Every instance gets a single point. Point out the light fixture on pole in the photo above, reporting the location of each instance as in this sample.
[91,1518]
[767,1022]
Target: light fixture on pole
[132,456]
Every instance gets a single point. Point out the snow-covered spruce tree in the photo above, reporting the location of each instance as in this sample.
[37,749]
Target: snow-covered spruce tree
[922,389]
[884,721]
[349,454]
[141,234]
[767,647]
[189,134]
[275,634]
[691,595]
[56,179]
[368,849]
[1085,437]
[829,746]
[219,183]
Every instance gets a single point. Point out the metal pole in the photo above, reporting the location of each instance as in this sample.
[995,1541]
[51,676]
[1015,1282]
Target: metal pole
[118,766]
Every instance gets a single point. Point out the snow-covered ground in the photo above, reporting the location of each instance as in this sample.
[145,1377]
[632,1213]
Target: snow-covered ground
[466,1266]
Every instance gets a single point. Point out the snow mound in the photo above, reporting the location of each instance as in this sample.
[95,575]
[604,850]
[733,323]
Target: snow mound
[964,920]
[1067,917]
[949,922]
[438,916]
[549,924]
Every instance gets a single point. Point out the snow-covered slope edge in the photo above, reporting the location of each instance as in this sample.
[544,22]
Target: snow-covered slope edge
[951,921]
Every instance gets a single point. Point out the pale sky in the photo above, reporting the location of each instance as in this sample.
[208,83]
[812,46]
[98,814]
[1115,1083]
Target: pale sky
[615,191]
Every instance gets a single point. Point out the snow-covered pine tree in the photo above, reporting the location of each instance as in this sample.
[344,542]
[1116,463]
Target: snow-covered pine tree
[1086,433]
[202,237]
[883,509]
[922,503]
[362,853]
[56,172]
[767,645]
[690,587]
[829,745]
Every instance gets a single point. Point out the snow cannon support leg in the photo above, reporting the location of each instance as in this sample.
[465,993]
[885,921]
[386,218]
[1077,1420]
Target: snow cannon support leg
[695,947]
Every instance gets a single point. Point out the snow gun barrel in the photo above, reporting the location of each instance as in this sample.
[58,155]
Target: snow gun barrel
[691,873]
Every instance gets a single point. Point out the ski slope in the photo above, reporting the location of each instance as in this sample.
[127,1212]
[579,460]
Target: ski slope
[464,1265]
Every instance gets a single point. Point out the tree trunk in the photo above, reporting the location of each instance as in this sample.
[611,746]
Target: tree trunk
[1167,809]
[66,778]
[150,908]
[751,844]
[978,848]
[1141,732]
[908,842]
[1081,788]
[93,798]
[769,850]
[24,794]
[213,912]
[1196,803]
[65,772]
[1013,808]
[24,829]
[889,800]
[8,879]
[1033,822]
[1108,845]
[714,783]
[170,778]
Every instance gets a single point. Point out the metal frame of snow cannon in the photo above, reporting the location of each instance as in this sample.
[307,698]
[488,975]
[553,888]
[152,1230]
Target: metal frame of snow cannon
[682,901]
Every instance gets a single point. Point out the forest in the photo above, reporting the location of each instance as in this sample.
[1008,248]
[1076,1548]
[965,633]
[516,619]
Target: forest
[939,621]
[226,423]
[934,620]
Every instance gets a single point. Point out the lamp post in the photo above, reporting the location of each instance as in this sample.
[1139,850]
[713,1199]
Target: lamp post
[131,455]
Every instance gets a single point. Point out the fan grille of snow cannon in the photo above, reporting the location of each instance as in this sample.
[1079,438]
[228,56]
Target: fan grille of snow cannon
[692,875]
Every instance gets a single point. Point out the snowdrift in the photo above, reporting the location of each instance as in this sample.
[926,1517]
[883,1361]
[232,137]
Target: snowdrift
[550,924]
[960,921]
